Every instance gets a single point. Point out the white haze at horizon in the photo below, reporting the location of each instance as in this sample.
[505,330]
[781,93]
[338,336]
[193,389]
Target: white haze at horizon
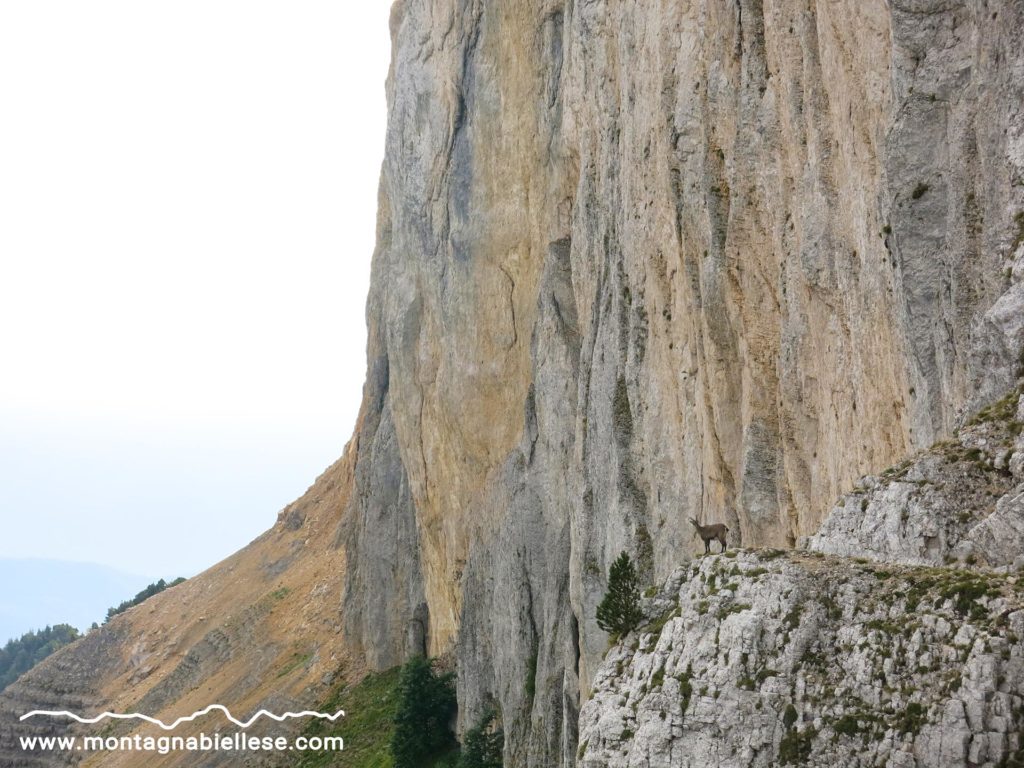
[187,211]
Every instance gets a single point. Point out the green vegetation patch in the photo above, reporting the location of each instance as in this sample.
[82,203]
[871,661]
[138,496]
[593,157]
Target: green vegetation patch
[1018,236]
[531,674]
[883,625]
[482,747]
[19,656]
[426,706]
[847,725]
[153,589]
[1002,411]
[685,688]
[381,705]
[912,718]
[619,611]
[657,625]
[792,619]
[658,678]
[857,723]
[751,683]
[723,612]
[369,722]
[964,595]
[795,747]
[297,660]
[919,587]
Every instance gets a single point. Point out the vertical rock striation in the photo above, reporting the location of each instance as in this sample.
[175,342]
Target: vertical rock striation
[641,262]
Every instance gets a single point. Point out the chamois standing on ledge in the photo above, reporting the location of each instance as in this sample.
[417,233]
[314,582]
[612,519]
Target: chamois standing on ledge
[711,532]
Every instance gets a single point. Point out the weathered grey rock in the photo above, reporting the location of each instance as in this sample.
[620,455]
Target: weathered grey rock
[959,500]
[775,659]
[639,263]
[1001,329]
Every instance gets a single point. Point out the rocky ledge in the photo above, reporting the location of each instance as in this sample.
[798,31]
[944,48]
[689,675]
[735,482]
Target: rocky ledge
[962,500]
[764,658]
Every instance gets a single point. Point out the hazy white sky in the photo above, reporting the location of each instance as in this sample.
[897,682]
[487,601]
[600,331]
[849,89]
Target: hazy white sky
[187,211]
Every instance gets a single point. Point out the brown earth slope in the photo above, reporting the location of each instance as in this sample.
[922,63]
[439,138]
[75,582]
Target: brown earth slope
[259,630]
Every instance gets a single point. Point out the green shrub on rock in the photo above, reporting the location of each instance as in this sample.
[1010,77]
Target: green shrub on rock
[619,611]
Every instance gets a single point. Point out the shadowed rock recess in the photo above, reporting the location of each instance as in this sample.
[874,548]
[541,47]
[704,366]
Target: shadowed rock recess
[636,263]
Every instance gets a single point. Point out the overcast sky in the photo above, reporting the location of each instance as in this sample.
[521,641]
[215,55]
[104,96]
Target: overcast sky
[187,210]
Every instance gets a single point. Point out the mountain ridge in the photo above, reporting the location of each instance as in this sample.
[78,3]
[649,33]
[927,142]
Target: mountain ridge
[60,591]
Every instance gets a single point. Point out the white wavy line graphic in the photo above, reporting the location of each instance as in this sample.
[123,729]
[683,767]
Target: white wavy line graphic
[186,719]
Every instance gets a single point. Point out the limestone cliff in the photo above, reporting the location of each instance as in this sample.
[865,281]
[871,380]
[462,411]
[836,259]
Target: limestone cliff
[640,262]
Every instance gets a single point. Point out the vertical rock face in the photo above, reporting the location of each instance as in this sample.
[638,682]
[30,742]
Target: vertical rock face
[644,262]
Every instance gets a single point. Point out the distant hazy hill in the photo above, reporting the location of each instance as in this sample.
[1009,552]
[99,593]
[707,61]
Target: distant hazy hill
[34,593]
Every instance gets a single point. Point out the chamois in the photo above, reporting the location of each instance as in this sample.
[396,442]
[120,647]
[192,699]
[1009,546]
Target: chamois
[711,532]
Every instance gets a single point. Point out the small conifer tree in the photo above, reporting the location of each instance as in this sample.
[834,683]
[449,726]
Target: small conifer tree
[426,705]
[619,611]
